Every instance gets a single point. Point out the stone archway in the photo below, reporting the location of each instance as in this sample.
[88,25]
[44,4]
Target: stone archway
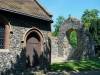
[69,25]
[34,47]
[68,44]
[84,45]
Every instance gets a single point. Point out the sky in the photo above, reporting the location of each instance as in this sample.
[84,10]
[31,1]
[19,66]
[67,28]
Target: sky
[65,8]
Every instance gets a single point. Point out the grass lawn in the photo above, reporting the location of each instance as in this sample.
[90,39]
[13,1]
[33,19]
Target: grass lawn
[82,65]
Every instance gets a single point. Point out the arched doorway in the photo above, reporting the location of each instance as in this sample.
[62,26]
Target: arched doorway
[33,48]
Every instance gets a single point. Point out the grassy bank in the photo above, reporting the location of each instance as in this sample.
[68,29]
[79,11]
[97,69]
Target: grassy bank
[82,65]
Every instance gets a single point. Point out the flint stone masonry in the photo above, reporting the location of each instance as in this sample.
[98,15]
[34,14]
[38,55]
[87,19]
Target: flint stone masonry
[19,25]
[54,50]
[62,50]
[85,47]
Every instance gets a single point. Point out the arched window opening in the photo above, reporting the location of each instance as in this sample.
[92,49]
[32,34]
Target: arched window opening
[2,32]
[73,39]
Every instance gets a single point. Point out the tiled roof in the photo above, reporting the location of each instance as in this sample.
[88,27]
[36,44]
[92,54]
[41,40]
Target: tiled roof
[25,7]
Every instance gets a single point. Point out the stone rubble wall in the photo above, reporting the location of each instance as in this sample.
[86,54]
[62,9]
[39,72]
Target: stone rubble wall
[61,48]
[55,58]
[19,26]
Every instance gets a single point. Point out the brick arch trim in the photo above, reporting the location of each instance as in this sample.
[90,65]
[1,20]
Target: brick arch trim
[36,30]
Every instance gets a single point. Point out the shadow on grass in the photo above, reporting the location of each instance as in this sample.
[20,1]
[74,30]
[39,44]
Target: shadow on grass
[82,65]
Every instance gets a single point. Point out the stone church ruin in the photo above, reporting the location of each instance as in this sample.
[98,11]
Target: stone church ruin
[64,50]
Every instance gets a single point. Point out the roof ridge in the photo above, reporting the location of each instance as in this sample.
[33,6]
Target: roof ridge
[45,10]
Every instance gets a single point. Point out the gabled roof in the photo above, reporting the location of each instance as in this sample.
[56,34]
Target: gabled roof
[25,7]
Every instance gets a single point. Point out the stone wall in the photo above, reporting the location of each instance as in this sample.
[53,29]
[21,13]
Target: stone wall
[61,48]
[14,57]
[55,58]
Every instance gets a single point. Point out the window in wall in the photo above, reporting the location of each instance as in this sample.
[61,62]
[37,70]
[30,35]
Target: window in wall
[2,31]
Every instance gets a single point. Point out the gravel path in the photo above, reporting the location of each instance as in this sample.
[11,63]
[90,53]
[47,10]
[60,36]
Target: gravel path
[75,73]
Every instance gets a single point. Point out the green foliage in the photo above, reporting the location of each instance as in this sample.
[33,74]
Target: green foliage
[95,30]
[91,22]
[88,16]
[59,22]
[73,39]
[82,65]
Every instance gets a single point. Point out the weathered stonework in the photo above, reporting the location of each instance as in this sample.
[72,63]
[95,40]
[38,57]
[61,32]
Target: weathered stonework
[14,58]
[85,47]
[61,48]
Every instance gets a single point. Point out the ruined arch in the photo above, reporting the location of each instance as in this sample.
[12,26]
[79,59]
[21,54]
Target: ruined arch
[85,47]
[71,24]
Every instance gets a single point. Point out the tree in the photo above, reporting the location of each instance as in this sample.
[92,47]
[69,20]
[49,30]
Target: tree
[95,30]
[91,22]
[88,17]
[59,22]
